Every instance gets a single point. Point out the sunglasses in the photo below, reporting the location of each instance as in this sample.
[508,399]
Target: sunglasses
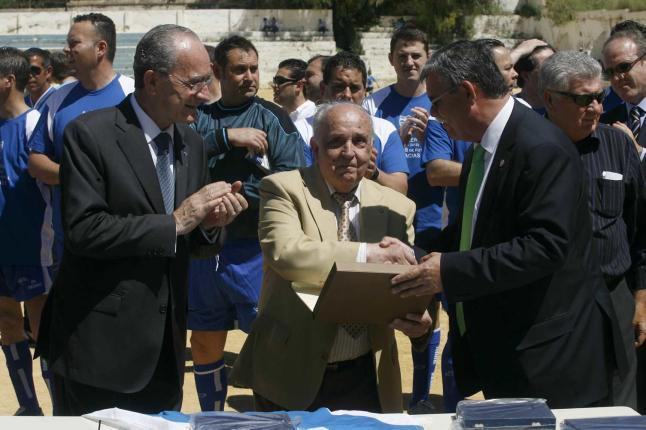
[281,80]
[583,100]
[622,68]
[35,70]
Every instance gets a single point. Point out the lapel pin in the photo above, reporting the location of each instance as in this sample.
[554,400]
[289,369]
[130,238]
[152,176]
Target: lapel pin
[502,163]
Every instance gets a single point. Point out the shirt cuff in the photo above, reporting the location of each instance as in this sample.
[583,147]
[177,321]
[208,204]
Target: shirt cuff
[362,254]
[642,153]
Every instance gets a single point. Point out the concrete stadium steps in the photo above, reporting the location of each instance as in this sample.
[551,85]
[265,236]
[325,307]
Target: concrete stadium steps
[376,47]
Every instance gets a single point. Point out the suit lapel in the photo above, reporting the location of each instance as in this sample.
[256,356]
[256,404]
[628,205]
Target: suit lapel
[497,171]
[320,203]
[374,216]
[133,144]
[180,166]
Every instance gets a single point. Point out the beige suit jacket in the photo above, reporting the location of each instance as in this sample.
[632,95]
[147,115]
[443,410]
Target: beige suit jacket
[285,355]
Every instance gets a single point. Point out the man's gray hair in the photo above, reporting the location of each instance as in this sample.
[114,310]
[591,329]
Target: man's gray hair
[157,51]
[467,61]
[323,110]
[561,68]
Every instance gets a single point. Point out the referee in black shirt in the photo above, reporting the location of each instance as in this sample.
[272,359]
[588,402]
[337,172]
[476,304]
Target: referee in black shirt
[573,91]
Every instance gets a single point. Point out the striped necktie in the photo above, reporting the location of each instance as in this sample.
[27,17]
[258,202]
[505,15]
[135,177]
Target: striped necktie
[474,181]
[345,233]
[164,174]
[634,122]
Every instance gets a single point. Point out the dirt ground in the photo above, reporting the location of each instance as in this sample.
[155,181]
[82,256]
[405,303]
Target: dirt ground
[238,399]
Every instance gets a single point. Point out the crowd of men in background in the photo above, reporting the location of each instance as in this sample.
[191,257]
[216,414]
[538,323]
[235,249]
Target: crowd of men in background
[543,264]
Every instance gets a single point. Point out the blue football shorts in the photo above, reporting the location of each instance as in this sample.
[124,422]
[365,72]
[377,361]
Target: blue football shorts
[223,291]
[22,283]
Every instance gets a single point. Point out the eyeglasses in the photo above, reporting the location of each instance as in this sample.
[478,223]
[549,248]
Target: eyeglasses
[583,100]
[436,101]
[278,80]
[193,87]
[35,70]
[622,68]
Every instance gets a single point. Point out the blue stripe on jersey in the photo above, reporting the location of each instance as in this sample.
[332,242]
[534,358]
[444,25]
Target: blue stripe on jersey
[22,207]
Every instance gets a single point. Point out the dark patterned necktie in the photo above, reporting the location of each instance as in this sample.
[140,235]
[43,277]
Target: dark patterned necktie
[164,174]
[346,233]
[634,122]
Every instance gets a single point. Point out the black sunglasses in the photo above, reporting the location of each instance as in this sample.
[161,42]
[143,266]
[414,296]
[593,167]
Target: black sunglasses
[584,100]
[281,80]
[35,70]
[622,68]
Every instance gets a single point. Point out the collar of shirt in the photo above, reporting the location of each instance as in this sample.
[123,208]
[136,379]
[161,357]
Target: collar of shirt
[151,130]
[489,142]
[305,110]
[148,126]
[357,191]
[492,134]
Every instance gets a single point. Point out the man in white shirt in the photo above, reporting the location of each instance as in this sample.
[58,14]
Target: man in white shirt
[289,89]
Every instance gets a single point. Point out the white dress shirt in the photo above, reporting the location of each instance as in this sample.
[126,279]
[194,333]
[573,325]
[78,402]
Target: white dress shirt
[151,130]
[489,142]
[305,110]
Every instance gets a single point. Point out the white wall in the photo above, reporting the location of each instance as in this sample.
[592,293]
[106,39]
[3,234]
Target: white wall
[204,22]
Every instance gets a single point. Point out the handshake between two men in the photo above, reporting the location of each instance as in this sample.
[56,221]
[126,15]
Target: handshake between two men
[422,279]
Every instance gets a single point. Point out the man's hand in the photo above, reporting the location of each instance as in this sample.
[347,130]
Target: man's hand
[421,280]
[525,47]
[372,165]
[232,204]
[415,124]
[623,127]
[639,319]
[390,250]
[252,138]
[415,325]
[198,205]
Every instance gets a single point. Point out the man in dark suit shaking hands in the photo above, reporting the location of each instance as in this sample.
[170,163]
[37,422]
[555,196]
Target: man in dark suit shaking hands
[135,203]
[517,264]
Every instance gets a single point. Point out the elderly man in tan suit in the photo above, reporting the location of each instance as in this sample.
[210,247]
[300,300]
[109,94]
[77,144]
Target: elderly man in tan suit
[309,219]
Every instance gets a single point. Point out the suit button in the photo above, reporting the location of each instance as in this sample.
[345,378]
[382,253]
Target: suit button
[162,309]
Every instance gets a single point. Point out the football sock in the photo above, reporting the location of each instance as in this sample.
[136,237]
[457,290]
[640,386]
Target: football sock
[423,367]
[211,385]
[19,365]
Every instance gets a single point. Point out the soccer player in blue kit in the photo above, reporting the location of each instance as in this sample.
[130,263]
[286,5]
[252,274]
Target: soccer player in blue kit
[246,138]
[91,46]
[25,231]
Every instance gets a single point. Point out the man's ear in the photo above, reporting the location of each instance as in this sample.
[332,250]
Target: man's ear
[217,72]
[49,71]
[300,85]
[472,90]
[151,81]
[314,145]
[390,58]
[548,101]
[102,48]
